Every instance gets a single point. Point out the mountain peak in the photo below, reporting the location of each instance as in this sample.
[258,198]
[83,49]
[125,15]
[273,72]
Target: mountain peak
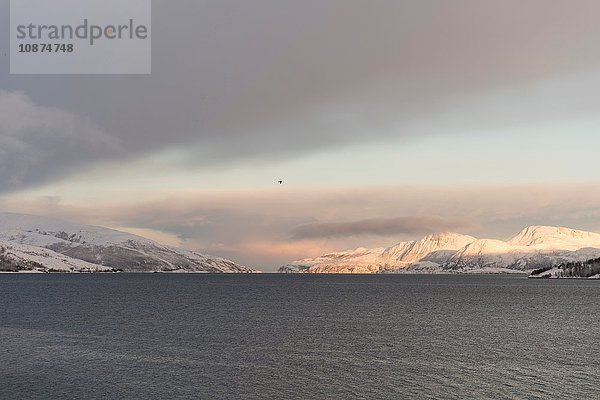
[548,236]
[446,237]
[418,249]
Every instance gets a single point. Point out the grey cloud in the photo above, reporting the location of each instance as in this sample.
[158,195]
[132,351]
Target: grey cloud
[37,143]
[48,201]
[377,226]
[266,79]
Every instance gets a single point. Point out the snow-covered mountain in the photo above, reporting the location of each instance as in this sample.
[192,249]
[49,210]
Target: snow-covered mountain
[550,237]
[83,247]
[431,248]
[414,251]
[534,247]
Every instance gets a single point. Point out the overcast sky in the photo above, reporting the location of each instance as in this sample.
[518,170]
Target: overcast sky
[386,120]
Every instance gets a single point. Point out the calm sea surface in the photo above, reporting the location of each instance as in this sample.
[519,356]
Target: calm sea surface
[158,336]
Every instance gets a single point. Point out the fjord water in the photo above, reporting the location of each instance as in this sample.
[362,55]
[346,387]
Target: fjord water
[158,336]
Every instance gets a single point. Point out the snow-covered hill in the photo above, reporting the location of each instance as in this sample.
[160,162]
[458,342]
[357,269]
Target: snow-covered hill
[103,247]
[534,247]
[589,268]
[20,257]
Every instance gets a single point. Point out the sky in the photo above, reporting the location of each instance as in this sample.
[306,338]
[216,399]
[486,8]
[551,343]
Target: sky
[386,120]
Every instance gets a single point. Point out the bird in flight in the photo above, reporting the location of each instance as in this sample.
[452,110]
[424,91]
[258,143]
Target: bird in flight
[280,182]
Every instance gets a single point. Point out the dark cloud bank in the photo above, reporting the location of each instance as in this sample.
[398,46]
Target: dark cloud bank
[236,80]
[377,226]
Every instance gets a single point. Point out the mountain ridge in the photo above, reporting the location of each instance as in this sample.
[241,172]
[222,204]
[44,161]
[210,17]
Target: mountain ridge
[532,247]
[105,247]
